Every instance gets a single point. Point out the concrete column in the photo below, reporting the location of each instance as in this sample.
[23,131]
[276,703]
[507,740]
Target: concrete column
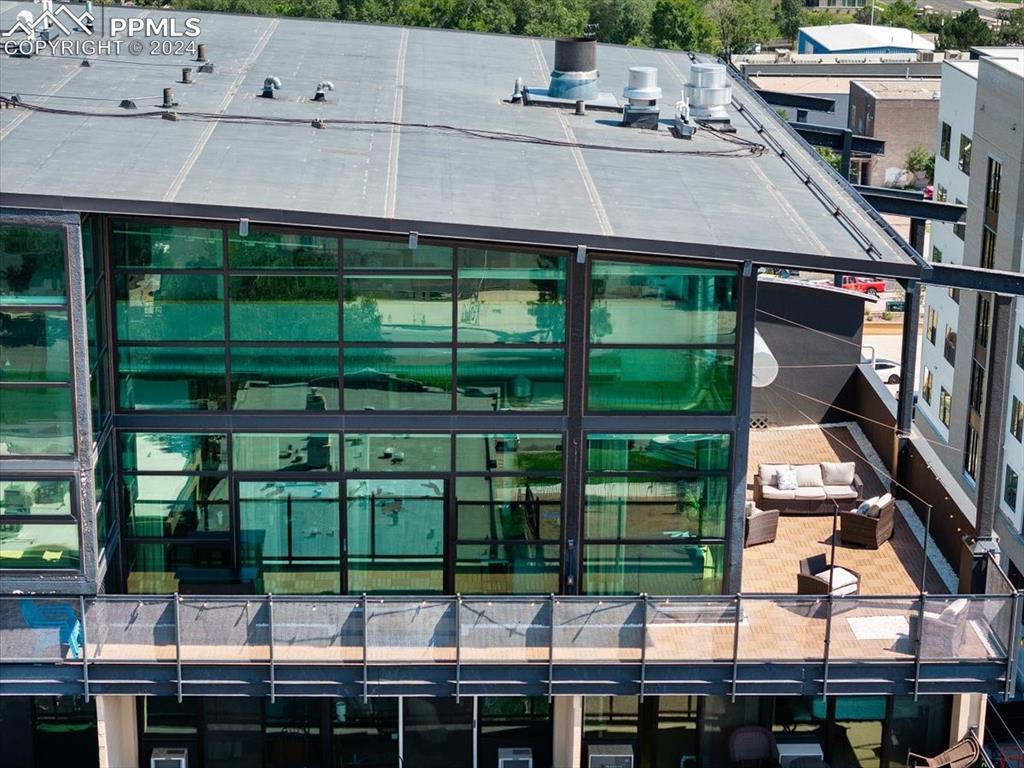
[117,731]
[968,712]
[567,739]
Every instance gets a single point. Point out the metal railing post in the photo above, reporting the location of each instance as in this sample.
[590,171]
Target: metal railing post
[177,641]
[643,650]
[1011,645]
[827,647]
[85,650]
[920,642]
[366,659]
[270,628]
[458,648]
[736,646]
[551,646]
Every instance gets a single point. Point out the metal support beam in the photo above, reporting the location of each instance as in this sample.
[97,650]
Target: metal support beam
[904,202]
[799,102]
[995,281]
[846,154]
[835,138]
[908,368]
[732,577]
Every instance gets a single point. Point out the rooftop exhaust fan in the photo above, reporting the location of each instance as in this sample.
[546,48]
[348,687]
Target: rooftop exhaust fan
[321,90]
[708,93]
[643,94]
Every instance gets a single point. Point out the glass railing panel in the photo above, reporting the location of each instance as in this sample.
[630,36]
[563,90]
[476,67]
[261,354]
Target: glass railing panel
[318,631]
[690,629]
[873,628]
[413,631]
[131,629]
[40,629]
[782,629]
[591,631]
[504,631]
[964,627]
[221,629]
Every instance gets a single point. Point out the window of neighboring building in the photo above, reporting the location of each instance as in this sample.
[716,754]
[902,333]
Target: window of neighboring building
[941,194]
[1020,346]
[960,227]
[965,154]
[982,321]
[988,248]
[933,324]
[977,390]
[954,294]
[971,446]
[945,405]
[992,185]
[926,387]
[1010,488]
[949,348]
[1017,419]
[944,140]
[936,255]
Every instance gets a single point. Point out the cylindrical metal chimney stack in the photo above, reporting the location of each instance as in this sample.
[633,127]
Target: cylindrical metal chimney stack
[575,73]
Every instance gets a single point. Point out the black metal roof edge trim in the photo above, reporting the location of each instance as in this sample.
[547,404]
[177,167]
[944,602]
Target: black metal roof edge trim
[512,236]
[844,183]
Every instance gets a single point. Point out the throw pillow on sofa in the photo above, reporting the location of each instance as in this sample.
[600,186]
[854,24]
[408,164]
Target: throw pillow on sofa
[865,506]
[808,475]
[786,480]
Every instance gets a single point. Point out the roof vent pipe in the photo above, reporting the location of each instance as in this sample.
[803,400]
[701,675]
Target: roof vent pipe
[575,74]
[270,85]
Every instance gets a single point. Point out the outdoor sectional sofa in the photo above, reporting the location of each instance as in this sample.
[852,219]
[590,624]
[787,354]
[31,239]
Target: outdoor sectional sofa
[819,488]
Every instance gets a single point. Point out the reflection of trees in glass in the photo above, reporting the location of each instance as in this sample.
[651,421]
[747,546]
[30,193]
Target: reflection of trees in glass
[363,320]
[600,322]
[548,311]
[31,256]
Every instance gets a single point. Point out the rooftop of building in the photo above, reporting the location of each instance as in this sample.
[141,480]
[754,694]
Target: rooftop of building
[924,89]
[851,37]
[521,169]
[1006,57]
[810,84]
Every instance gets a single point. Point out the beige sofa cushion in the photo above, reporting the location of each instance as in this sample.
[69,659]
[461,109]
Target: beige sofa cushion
[840,492]
[771,492]
[768,472]
[838,472]
[808,475]
[810,494]
[843,582]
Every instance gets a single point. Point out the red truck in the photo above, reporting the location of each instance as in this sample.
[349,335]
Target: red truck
[869,285]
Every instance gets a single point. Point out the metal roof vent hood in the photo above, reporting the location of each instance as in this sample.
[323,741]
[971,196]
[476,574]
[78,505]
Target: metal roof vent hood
[643,94]
[575,74]
[708,93]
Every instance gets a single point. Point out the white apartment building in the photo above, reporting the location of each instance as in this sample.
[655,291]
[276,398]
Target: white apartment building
[979,161]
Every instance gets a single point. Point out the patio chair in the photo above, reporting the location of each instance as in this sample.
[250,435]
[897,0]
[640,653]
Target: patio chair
[943,634]
[813,578]
[963,754]
[762,526]
[752,745]
[866,530]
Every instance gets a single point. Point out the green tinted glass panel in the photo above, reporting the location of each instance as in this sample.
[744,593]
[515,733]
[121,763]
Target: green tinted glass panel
[657,453]
[525,509]
[177,506]
[502,379]
[173,452]
[506,568]
[138,244]
[511,297]
[398,379]
[36,420]
[376,254]
[697,380]
[35,497]
[34,346]
[508,453]
[284,379]
[398,308]
[661,304]
[648,508]
[170,307]
[284,308]
[397,453]
[290,536]
[171,378]
[44,546]
[279,250]
[657,569]
[287,452]
[165,568]
[32,265]
[395,535]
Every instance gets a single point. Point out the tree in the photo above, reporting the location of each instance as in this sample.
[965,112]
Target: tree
[900,13]
[965,30]
[681,24]
[741,23]
[1011,27]
[789,17]
[622,21]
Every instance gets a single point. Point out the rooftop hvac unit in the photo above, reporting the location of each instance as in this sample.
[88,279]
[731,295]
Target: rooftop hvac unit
[169,758]
[610,756]
[515,758]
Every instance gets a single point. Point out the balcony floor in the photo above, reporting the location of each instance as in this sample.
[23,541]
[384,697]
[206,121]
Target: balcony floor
[894,569]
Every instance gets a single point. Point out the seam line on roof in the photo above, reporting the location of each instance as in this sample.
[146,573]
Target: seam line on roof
[19,119]
[391,188]
[581,164]
[197,150]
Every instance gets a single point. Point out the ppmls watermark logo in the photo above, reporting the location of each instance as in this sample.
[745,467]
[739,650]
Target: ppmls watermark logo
[61,31]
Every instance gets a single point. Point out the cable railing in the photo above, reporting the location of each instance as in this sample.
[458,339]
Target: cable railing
[544,632]
[1002,746]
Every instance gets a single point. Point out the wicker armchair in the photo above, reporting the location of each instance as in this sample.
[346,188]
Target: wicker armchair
[867,531]
[963,754]
[809,583]
[761,527]
[752,745]
[943,635]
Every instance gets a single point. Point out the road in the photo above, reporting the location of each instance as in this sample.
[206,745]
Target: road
[989,10]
